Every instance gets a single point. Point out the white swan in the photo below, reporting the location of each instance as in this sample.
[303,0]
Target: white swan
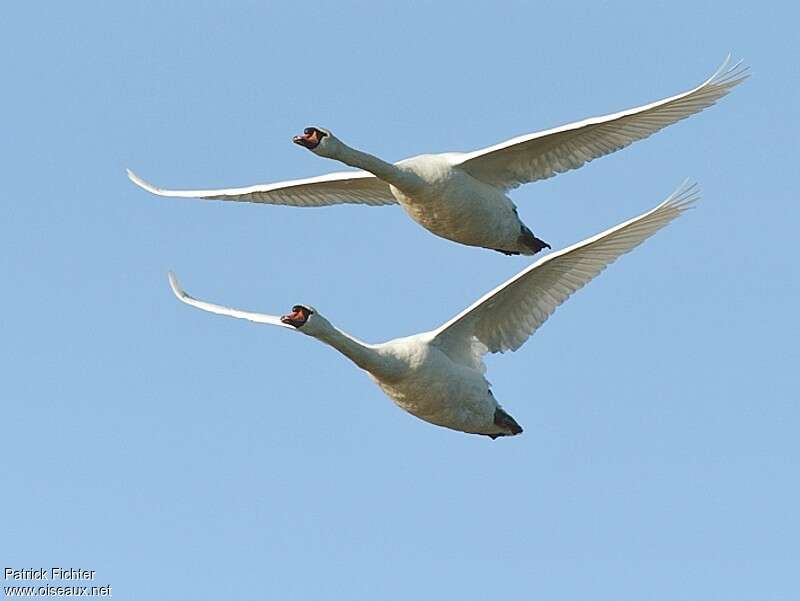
[461,196]
[438,376]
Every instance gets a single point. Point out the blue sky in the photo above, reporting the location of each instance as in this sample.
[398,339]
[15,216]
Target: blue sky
[183,455]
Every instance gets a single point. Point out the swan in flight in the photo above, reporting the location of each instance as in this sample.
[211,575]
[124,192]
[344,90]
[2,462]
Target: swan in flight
[438,376]
[462,196]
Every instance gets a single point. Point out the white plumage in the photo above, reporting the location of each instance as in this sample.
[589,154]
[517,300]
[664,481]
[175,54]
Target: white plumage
[343,187]
[438,376]
[462,196]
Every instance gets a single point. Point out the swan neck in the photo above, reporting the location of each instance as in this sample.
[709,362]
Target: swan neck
[387,172]
[360,353]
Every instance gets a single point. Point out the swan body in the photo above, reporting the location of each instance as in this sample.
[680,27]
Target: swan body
[454,205]
[438,376]
[441,391]
[461,196]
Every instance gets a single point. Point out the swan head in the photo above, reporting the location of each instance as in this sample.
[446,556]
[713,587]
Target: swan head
[319,141]
[307,320]
[299,316]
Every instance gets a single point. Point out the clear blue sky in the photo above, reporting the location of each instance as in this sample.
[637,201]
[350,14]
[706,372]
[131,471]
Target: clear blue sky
[187,456]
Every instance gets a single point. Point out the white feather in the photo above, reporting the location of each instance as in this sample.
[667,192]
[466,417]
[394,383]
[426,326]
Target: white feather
[546,153]
[272,320]
[503,319]
[343,187]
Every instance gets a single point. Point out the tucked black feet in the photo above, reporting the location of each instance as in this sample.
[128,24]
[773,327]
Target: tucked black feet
[504,420]
[528,239]
[539,245]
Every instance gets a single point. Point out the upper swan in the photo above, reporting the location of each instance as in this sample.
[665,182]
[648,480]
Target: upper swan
[462,196]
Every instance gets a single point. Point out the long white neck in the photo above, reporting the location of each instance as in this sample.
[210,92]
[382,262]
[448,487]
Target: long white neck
[388,172]
[364,355]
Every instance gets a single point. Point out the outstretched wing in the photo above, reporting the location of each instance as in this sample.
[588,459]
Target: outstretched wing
[355,187]
[273,320]
[506,317]
[546,153]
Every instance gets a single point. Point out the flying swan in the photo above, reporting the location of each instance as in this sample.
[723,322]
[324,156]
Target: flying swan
[438,376]
[462,196]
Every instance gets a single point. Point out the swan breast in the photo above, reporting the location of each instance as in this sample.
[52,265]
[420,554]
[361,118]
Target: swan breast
[454,205]
[434,388]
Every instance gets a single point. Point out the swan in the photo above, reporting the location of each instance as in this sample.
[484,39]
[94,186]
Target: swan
[462,196]
[438,376]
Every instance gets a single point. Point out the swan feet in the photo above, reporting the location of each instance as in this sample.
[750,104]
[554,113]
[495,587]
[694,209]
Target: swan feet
[505,421]
[528,244]
[527,239]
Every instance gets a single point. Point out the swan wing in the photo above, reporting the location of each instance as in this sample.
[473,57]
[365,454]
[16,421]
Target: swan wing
[544,154]
[506,317]
[220,310]
[355,187]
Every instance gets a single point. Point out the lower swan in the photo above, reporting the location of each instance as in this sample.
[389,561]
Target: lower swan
[438,376]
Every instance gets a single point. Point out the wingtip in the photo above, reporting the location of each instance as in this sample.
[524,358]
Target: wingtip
[176,287]
[145,185]
[729,74]
[685,196]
